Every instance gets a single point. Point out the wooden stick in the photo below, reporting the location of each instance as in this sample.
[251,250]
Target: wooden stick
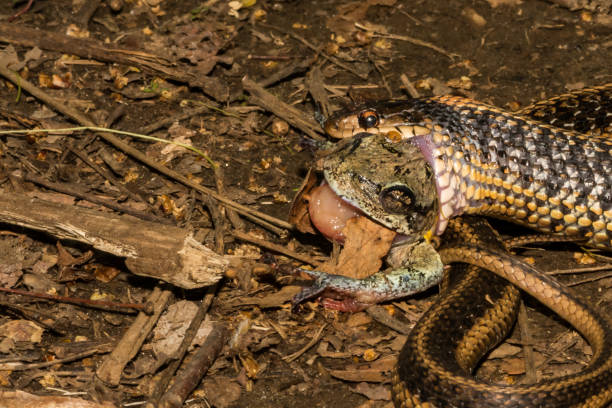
[112,366]
[530,370]
[263,98]
[150,249]
[197,367]
[77,191]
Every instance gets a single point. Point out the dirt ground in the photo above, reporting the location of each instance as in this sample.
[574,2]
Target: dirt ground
[213,75]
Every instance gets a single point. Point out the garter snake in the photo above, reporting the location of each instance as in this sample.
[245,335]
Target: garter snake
[548,167]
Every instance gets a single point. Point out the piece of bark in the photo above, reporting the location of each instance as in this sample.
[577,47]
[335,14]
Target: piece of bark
[11,399]
[111,368]
[150,249]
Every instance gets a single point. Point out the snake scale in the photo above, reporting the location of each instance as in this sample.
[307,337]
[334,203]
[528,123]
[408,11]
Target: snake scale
[547,167]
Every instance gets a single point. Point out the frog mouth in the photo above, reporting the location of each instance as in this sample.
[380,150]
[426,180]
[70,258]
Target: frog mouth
[329,213]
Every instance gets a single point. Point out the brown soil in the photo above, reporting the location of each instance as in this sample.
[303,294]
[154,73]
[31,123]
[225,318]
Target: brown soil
[197,53]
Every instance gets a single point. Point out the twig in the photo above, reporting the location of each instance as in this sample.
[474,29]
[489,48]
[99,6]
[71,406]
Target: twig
[273,247]
[106,174]
[382,76]
[199,364]
[381,315]
[411,40]
[316,88]
[73,191]
[21,12]
[266,100]
[530,370]
[105,348]
[579,270]
[559,347]
[293,356]
[98,304]
[111,368]
[168,121]
[82,375]
[412,91]
[411,17]
[231,214]
[46,320]
[87,10]
[591,279]
[291,69]
[271,57]
[331,59]
[421,43]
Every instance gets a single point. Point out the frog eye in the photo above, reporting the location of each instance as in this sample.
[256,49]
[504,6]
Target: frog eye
[397,199]
[368,119]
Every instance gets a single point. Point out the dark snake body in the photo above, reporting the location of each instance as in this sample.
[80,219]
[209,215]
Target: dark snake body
[548,167]
[507,165]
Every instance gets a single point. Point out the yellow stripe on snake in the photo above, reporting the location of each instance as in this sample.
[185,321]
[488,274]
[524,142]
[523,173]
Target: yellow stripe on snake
[422,165]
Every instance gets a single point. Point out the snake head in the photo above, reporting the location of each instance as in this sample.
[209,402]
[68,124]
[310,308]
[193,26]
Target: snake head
[374,117]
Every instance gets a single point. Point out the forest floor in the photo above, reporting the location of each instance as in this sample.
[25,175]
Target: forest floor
[222,77]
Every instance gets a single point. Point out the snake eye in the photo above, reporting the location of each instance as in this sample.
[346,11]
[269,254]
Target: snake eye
[397,199]
[368,119]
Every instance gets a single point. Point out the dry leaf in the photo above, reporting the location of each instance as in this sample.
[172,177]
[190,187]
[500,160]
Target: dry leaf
[298,214]
[366,244]
[359,374]
[505,350]
[10,274]
[22,330]
[358,319]
[373,391]
[221,391]
[513,366]
[583,258]
[103,273]
[275,299]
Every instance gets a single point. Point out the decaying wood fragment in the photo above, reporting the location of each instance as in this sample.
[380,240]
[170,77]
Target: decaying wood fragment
[112,367]
[150,249]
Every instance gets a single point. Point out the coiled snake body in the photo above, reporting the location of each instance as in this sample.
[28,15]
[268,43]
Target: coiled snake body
[548,167]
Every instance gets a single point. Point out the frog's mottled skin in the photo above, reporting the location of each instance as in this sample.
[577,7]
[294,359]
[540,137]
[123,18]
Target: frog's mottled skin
[363,170]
